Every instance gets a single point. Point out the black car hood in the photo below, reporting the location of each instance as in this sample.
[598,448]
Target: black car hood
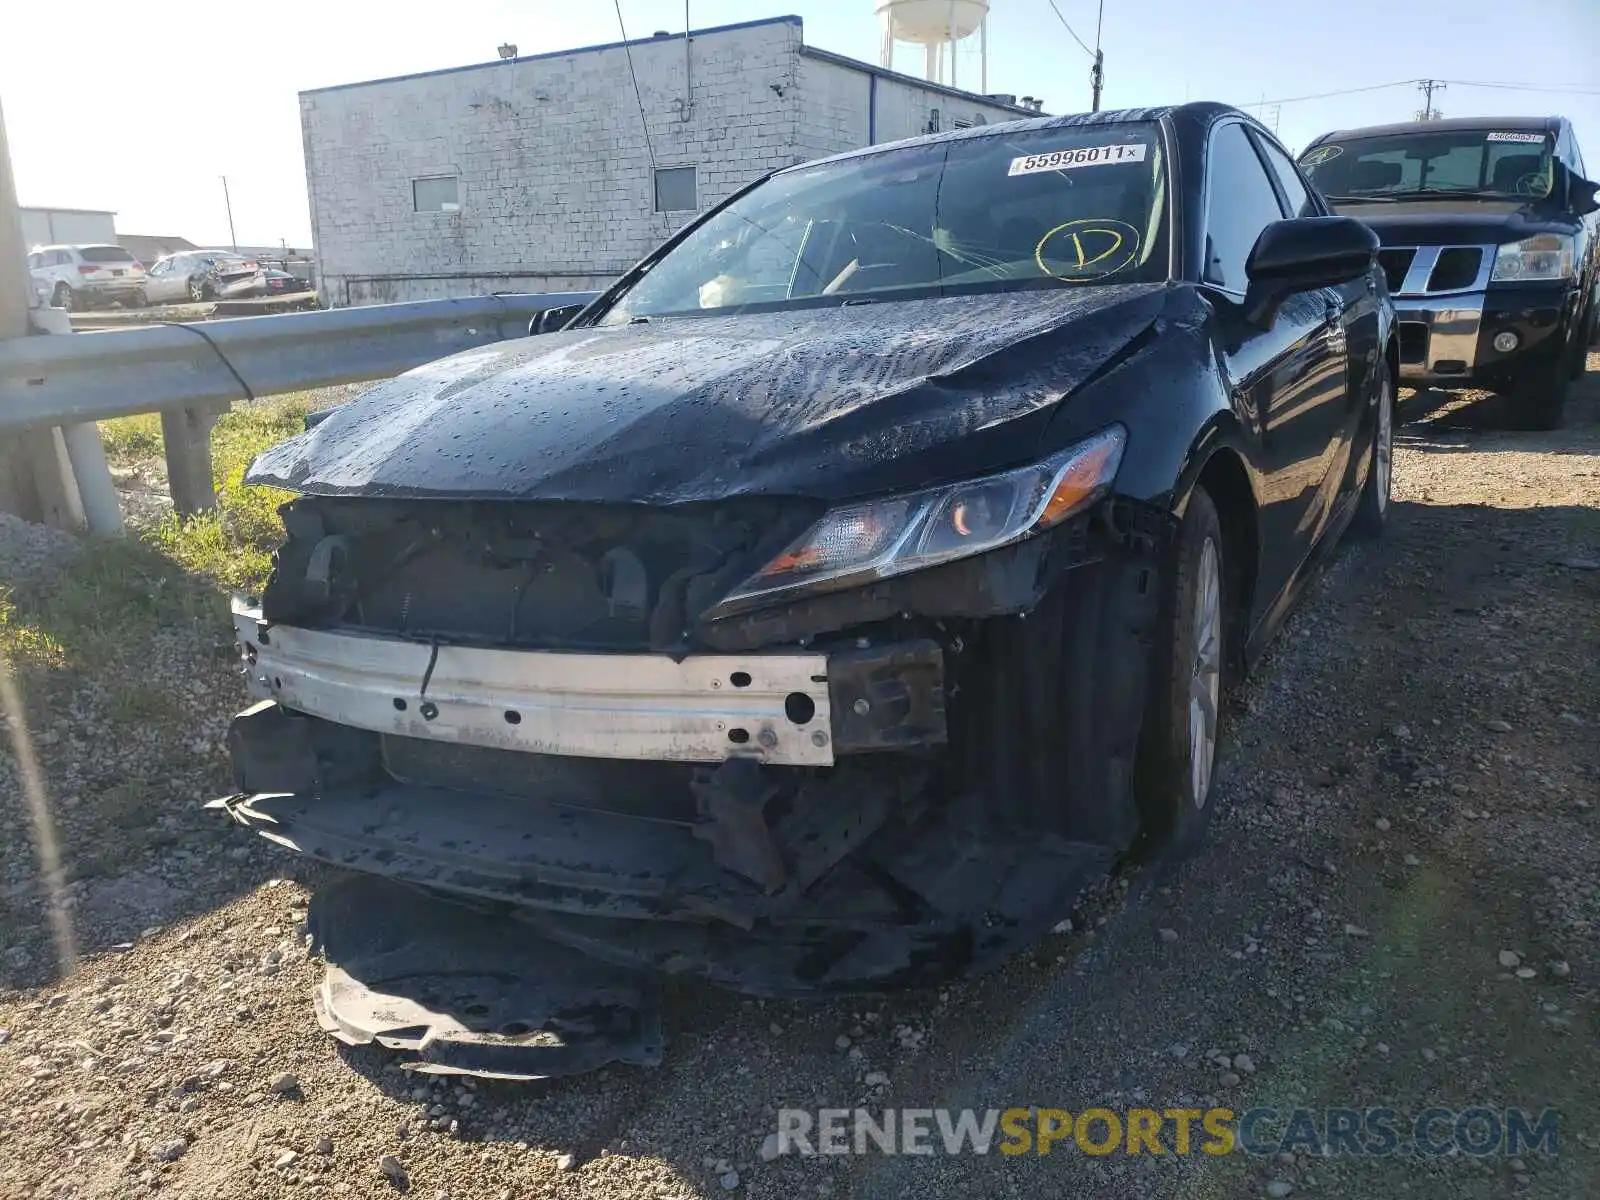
[825,403]
[1454,222]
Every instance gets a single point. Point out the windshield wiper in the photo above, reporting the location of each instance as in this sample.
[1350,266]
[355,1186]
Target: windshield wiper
[1407,193]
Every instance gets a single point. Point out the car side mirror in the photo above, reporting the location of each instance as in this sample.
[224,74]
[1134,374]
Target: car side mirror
[1304,253]
[1581,195]
[548,320]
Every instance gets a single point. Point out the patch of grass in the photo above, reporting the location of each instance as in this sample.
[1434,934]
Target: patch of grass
[98,613]
[24,644]
[233,545]
[143,705]
[131,439]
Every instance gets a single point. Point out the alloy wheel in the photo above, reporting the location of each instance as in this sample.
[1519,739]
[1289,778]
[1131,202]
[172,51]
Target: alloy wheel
[1205,677]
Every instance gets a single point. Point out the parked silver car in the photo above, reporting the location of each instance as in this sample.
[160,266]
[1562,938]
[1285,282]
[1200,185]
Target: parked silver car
[197,275]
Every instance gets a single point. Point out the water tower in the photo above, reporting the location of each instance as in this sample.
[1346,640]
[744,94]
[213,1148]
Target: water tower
[937,26]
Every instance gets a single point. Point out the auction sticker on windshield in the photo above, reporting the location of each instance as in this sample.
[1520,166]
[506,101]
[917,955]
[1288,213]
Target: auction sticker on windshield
[1515,137]
[1082,156]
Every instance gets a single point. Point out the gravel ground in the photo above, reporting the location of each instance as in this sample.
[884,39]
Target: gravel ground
[1397,905]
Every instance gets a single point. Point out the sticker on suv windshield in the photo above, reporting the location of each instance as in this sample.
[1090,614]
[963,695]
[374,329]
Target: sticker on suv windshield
[1082,156]
[1322,154]
[1515,137]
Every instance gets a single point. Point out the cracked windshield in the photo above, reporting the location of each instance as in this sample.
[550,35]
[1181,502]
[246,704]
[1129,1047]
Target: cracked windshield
[1037,209]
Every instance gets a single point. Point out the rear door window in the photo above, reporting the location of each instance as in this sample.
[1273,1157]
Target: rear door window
[1294,189]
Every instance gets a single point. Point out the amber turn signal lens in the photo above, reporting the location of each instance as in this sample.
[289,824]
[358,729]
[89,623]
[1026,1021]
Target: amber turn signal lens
[1086,473]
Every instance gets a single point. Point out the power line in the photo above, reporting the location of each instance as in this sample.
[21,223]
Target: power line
[1559,89]
[1576,89]
[644,121]
[1371,87]
[1070,30]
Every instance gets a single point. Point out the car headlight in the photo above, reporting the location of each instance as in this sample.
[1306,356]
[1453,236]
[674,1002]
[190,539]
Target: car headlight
[876,539]
[1543,256]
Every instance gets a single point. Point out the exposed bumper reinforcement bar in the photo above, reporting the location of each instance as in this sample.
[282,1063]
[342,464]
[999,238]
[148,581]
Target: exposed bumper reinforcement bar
[773,707]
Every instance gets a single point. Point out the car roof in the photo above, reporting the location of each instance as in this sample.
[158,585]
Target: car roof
[1445,125]
[1205,110]
[77,246]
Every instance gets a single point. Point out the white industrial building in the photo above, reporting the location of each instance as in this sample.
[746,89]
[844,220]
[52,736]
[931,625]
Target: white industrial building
[536,174]
[67,226]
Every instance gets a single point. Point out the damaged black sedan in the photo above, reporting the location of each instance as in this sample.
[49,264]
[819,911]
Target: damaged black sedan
[836,595]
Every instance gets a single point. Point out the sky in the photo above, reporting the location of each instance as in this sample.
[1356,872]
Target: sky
[197,89]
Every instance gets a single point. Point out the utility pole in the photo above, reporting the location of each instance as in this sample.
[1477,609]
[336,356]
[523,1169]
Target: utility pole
[1427,87]
[1097,73]
[232,236]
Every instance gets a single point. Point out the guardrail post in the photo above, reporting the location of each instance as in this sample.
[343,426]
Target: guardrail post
[186,434]
[101,508]
[54,488]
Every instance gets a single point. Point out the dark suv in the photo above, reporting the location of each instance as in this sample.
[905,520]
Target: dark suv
[1489,248]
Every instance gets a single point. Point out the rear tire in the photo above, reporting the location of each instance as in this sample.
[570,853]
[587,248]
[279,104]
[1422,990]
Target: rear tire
[1183,721]
[1373,512]
[139,299]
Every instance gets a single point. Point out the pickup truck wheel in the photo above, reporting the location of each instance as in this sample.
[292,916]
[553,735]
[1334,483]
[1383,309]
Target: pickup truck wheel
[63,297]
[1373,512]
[1183,723]
[1585,339]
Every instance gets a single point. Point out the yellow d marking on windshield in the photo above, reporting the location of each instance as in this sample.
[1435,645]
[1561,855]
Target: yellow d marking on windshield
[1085,237]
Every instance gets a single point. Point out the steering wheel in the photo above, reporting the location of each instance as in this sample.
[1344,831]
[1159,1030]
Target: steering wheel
[1535,183]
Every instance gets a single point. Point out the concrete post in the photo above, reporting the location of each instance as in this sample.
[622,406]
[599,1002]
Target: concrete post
[186,433]
[36,480]
[98,495]
[55,488]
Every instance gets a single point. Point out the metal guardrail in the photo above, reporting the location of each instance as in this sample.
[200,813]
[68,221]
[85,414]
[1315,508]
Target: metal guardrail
[57,381]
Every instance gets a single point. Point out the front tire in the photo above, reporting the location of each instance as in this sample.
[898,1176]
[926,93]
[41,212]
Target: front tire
[63,297]
[1585,339]
[1183,723]
[1373,512]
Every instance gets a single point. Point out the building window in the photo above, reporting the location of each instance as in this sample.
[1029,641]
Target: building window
[675,189]
[436,193]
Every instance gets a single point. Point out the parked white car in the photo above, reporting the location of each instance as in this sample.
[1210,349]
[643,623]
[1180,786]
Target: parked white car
[80,277]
